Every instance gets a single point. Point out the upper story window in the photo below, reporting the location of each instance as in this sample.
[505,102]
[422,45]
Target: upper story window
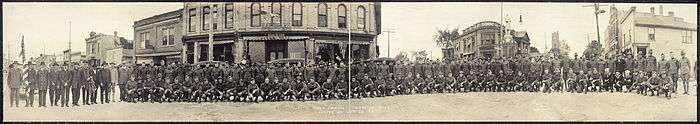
[361,15]
[297,14]
[652,34]
[255,14]
[687,37]
[322,15]
[168,37]
[276,11]
[145,40]
[342,16]
[190,21]
[214,16]
[206,17]
[488,38]
[228,14]
[92,48]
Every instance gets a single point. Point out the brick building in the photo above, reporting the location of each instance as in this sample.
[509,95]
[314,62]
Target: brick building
[487,40]
[260,32]
[159,38]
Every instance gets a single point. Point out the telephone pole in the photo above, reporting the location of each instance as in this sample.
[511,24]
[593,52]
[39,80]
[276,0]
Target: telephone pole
[388,43]
[596,12]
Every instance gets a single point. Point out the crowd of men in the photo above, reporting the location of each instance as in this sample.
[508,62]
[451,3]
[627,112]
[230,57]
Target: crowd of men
[646,75]
[65,84]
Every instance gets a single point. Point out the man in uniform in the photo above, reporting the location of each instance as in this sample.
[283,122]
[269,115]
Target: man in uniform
[79,83]
[105,82]
[32,77]
[14,77]
[52,83]
[672,71]
[124,75]
[66,77]
[684,66]
[42,83]
[651,64]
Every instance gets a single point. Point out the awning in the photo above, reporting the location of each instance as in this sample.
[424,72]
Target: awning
[158,54]
[265,38]
[339,42]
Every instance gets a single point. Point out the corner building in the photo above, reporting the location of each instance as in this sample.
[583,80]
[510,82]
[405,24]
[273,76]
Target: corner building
[264,31]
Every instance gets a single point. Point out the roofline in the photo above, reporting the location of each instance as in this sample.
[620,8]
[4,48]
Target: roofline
[162,15]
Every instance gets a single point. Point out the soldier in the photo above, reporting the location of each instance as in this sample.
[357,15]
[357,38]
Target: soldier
[672,72]
[651,64]
[627,81]
[571,82]
[105,84]
[51,76]
[253,91]
[301,89]
[286,88]
[654,84]
[342,86]
[79,83]
[489,82]
[95,83]
[501,81]
[462,82]
[619,81]
[546,81]
[582,85]
[314,89]
[380,84]
[556,79]
[370,88]
[66,77]
[662,64]
[14,77]
[640,80]
[576,63]
[665,86]
[42,83]
[32,78]
[124,74]
[684,69]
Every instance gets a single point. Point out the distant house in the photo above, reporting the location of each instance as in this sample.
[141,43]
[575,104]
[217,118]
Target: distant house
[70,57]
[102,48]
[43,58]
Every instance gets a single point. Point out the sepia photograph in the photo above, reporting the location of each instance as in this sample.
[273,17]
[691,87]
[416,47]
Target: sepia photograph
[349,61]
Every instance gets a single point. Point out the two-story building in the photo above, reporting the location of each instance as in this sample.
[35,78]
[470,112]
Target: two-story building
[159,38]
[264,31]
[103,48]
[487,40]
[639,32]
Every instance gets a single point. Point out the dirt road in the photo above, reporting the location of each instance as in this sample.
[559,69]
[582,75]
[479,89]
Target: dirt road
[482,106]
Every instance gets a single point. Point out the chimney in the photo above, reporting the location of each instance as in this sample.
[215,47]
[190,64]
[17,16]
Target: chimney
[670,13]
[651,10]
[633,8]
[661,9]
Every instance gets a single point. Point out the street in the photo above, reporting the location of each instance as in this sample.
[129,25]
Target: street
[475,106]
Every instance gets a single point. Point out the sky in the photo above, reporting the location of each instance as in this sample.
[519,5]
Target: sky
[45,26]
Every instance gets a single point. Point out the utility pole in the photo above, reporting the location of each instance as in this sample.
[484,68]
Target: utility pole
[349,54]
[596,12]
[69,42]
[388,43]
